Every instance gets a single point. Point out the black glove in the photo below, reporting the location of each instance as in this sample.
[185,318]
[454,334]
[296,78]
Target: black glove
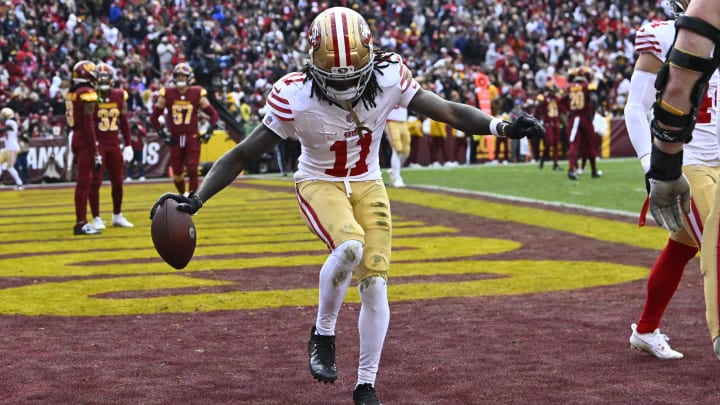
[647,183]
[167,139]
[204,138]
[98,161]
[190,204]
[524,126]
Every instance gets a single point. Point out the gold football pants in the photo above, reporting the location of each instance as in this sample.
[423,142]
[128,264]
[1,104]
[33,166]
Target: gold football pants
[340,211]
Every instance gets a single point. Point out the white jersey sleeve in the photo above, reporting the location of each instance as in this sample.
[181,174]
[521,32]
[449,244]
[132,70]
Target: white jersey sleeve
[279,116]
[337,144]
[11,135]
[703,148]
[656,38]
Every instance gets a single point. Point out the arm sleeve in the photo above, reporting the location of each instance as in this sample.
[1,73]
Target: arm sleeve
[125,129]
[156,112]
[210,111]
[640,99]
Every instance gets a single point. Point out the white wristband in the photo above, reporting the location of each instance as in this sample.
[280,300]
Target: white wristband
[493,126]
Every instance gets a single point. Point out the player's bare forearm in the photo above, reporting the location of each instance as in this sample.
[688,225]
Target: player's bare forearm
[459,116]
[230,164]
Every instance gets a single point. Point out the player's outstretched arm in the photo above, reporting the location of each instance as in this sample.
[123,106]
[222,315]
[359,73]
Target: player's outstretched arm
[473,120]
[230,164]
[224,170]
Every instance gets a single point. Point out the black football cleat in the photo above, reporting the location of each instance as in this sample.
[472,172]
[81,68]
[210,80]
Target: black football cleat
[85,229]
[321,353]
[572,175]
[364,394]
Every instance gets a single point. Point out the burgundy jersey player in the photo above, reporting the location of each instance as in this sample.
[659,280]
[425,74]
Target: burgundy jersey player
[180,104]
[580,109]
[80,103]
[111,119]
[547,110]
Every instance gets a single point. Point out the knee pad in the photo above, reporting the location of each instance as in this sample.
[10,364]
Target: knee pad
[686,61]
[349,253]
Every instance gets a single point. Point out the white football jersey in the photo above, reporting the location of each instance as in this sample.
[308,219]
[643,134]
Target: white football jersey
[333,148]
[657,38]
[398,114]
[11,135]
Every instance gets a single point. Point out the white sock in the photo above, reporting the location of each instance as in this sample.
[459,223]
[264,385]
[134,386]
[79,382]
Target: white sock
[372,325]
[395,164]
[15,175]
[335,277]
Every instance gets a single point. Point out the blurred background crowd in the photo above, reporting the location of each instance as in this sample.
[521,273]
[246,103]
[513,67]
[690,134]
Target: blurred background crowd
[238,48]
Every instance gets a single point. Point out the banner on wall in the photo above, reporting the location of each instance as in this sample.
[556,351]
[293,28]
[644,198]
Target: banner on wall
[155,157]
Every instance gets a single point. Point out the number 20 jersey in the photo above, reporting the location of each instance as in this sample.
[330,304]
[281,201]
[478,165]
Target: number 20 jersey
[333,147]
[657,38]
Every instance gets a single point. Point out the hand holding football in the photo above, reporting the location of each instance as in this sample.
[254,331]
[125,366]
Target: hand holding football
[173,234]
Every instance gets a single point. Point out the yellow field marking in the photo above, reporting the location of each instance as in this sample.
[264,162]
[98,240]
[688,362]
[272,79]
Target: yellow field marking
[248,228]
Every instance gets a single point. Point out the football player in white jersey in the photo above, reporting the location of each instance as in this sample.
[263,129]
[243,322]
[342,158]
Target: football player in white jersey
[691,62]
[398,133]
[701,165]
[337,107]
[8,155]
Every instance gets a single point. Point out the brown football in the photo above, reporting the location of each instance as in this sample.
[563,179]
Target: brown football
[173,234]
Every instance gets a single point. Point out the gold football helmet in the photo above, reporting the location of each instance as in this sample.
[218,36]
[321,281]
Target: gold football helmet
[341,54]
[6,113]
[183,74]
[85,72]
[105,74]
[678,7]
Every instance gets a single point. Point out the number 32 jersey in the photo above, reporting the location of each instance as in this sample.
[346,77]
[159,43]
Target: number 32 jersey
[334,146]
[657,38]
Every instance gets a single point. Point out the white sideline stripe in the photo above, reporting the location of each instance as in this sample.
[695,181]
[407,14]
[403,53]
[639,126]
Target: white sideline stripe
[529,200]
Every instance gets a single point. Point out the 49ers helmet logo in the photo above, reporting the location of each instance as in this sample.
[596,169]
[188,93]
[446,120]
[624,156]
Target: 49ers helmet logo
[365,35]
[314,36]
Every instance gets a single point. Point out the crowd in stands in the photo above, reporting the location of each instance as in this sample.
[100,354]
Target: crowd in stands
[239,48]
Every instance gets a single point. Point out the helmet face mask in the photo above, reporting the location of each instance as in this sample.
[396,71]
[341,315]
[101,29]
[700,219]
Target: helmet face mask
[105,74]
[677,7]
[341,54]
[182,75]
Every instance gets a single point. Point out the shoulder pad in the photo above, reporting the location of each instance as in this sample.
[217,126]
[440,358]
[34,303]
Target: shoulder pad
[89,97]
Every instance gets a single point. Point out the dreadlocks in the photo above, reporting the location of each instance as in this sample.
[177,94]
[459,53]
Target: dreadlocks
[383,59]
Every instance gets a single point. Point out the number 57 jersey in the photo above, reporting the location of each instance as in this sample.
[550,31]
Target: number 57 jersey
[337,144]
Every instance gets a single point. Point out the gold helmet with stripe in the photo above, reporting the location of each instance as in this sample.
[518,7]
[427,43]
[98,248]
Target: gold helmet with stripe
[105,76]
[85,72]
[183,75]
[341,54]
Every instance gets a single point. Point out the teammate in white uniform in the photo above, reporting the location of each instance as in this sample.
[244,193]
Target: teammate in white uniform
[337,107]
[8,155]
[398,133]
[701,165]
